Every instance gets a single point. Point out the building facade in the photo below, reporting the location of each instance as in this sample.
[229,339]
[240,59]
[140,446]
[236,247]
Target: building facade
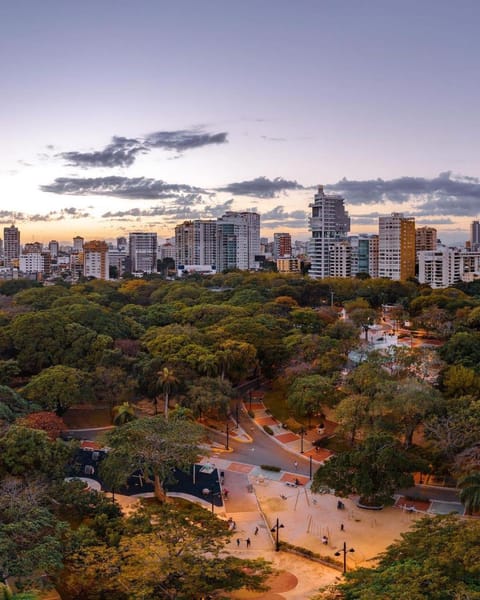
[425,238]
[96,260]
[142,250]
[238,241]
[282,245]
[396,247]
[11,245]
[329,223]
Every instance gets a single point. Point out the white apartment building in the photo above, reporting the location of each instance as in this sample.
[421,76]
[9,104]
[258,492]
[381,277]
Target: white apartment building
[96,260]
[396,247]
[238,241]
[31,262]
[340,259]
[142,249]
[447,266]
[329,223]
[196,243]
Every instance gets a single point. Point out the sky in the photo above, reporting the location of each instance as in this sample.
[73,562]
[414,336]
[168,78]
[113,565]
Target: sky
[121,116]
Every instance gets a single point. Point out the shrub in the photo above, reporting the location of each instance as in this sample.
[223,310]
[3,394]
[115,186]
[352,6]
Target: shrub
[270,468]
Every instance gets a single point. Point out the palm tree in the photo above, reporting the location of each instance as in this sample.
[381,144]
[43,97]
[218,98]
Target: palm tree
[166,379]
[123,413]
[470,492]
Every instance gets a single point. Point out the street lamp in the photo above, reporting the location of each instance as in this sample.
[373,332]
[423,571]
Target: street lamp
[366,327]
[212,496]
[275,529]
[302,433]
[310,467]
[250,400]
[228,432]
[344,551]
[236,412]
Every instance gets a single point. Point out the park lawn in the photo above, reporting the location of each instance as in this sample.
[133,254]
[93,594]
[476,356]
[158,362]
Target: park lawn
[275,401]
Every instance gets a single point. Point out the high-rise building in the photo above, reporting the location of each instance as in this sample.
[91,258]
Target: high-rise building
[475,235]
[33,247]
[396,247]
[329,223]
[122,244]
[11,244]
[439,268]
[142,249]
[78,243]
[196,243]
[425,238]
[340,259]
[53,248]
[95,260]
[238,241]
[167,250]
[282,245]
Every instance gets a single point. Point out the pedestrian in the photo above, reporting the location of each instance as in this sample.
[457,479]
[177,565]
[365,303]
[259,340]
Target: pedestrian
[295,464]
[342,528]
[248,542]
[234,526]
[324,540]
[225,493]
[238,542]
[256,531]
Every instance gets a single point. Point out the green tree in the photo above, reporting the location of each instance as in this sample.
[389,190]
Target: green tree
[374,470]
[167,552]
[166,381]
[207,395]
[470,492]
[59,387]
[438,559]
[123,413]
[154,446]
[309,393]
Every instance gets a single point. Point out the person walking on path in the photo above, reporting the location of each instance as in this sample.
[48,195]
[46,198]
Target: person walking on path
[342,528]
[295,464]
[256,531]
[248,542]
[238,542]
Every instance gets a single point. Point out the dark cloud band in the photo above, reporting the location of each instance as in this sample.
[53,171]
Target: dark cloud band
[261,187]
[122,151]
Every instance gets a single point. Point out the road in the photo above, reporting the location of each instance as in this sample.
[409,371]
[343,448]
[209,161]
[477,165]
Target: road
[265,451]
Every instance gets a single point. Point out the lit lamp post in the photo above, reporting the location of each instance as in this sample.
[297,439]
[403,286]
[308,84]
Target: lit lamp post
[275,529]
[344,552]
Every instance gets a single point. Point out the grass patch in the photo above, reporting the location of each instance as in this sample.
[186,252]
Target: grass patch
[275,401]
[336,444]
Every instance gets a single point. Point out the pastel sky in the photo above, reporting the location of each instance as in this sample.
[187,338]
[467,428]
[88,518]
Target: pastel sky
[120,116]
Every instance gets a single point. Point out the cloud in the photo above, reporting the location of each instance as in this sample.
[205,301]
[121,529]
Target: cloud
[183,209]
[184,139]
[277,217]
[261,187]
[7,216]
[123,151]
[446,194]
[133,188]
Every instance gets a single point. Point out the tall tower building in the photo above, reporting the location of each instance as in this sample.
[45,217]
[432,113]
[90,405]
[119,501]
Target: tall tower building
[396,247]
[143,252]
[11,244]
[95,260]
[238,240]
[475,235]
[53,248]
[329,223]
[196,243]
[78,243]
[282,245]
[425,239]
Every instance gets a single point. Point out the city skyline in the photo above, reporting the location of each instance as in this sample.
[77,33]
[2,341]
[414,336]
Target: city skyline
[119,118]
